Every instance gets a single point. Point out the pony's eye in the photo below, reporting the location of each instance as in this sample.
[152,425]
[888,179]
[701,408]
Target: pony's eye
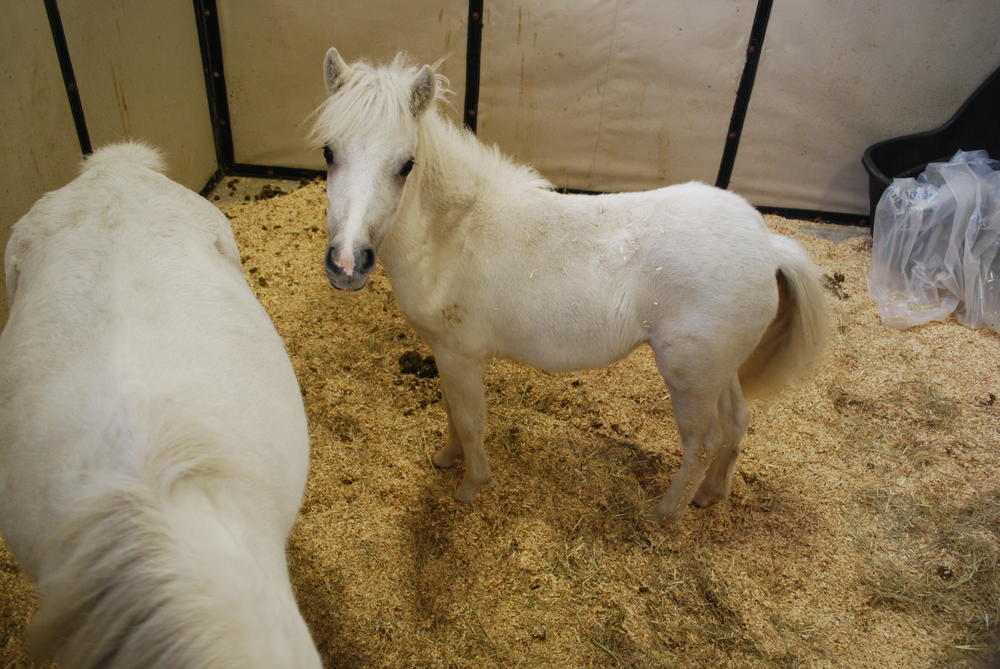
[328,155]
[406,168]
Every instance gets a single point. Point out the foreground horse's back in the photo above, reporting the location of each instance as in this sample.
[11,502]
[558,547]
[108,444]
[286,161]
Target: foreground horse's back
[154,445]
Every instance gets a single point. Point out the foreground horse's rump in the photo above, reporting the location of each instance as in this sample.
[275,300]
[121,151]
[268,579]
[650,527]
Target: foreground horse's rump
[486,261]
[153,443]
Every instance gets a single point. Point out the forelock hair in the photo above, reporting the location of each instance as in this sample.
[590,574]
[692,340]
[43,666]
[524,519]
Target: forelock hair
[370,97]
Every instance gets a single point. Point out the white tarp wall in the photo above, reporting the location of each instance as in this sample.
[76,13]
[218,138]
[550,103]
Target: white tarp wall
[139,74]
[613,96]
[138,68]
[836,76]
[38,143]
[273,55]
[630,94]
[603,95]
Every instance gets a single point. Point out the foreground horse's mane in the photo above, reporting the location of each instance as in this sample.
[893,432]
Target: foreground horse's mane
[124,595]
[373,98]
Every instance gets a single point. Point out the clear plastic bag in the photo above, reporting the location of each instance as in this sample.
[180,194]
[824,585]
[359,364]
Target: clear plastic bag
[936,245]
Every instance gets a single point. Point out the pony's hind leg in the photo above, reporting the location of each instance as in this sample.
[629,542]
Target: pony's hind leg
[695,390]
[462,385]
[733,420]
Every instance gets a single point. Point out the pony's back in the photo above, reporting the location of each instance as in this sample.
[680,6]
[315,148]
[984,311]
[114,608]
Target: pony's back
[149,415]
[128,305]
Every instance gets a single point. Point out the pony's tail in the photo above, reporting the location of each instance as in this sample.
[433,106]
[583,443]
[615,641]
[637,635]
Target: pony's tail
[129,154]
[797,336]
[122,572]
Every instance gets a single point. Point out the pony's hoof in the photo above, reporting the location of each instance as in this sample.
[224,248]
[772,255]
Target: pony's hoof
[704,500]
[466,491]
[444,459]
[664,517]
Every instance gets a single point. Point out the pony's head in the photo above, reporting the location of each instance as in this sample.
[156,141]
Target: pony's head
[367,128]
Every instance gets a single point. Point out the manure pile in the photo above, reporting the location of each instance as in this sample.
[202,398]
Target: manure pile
[863,529]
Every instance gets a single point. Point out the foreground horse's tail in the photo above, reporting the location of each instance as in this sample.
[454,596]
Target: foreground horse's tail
[795,339]
[125,585]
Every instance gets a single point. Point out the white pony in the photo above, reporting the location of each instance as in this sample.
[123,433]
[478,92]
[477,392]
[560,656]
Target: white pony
[487,261]
[153,443]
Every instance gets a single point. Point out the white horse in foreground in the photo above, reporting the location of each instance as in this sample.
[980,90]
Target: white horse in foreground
[487,261]
[153,443]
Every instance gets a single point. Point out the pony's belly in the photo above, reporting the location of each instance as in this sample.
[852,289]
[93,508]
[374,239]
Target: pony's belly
[568,352]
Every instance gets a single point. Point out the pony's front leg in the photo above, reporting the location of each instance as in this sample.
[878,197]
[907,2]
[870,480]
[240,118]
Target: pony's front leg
[465,403]
[449,454]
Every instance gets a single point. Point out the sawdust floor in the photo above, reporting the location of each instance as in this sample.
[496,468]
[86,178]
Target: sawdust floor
[862,530]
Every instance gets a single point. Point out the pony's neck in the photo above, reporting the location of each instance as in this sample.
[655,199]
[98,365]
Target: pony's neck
[453,162]
[456,175]
[458,161]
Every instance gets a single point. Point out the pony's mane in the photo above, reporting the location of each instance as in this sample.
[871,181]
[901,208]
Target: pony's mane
[372,97]
[121,598]
[456,150]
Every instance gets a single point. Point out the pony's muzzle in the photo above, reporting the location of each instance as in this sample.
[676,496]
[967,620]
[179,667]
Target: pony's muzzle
[349,272]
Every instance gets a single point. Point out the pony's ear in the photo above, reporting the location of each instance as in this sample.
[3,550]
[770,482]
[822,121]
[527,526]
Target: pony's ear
[335,71]
[423,90]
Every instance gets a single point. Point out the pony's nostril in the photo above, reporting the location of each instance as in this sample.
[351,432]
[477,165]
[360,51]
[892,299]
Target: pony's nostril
[331,266]
[366,260]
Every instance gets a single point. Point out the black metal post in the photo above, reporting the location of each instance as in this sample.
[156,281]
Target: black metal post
[474,50]
[206,18]
[69,78]
[754,48]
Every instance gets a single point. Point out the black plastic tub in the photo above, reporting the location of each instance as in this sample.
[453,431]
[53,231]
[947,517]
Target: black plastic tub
[976,125]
